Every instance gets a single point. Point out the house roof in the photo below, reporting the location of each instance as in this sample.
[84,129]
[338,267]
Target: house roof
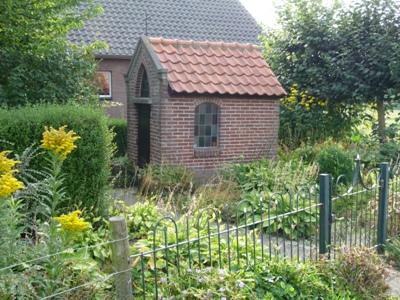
[215,68]
[123,22]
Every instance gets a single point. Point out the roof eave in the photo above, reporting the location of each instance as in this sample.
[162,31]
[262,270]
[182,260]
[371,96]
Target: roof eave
[112,56]
[174,93]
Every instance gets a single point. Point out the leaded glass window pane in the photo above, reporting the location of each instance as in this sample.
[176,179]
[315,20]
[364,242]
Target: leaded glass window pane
[206,125]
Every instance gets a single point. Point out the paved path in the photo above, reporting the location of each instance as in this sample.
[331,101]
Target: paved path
[393,280]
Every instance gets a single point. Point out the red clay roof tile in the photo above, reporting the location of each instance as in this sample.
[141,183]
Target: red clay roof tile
[216,67]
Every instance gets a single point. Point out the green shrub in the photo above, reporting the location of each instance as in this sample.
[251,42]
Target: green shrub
[87,169]
[120,129]
[333,159]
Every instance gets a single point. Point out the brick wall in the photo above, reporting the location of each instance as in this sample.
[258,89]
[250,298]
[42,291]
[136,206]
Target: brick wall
[248,131]
[118,68]
[157,83]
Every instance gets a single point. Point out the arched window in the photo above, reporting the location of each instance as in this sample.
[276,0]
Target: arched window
[206,127]
[142,83]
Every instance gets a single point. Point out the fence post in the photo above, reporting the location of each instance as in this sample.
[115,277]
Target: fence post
[383,206]
[324,213]
[120,258]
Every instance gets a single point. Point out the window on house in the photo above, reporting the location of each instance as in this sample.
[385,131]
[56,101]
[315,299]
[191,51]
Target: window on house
[142,84]
[206,128]
[103,83]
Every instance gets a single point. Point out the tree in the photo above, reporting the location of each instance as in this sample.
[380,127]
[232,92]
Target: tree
[343,55]
[38,63]
[369,39]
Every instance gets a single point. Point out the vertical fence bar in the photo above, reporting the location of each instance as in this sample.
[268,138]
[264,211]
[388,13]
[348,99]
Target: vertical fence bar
[324,217]
[383,206]
[120,258]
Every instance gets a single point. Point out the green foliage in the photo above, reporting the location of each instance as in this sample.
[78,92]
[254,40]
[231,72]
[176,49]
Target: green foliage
[360,271]
[271,279]
[334,160]
[302,224]
[86,171]
[38,62]
[164,179]
[140,217]
[40,278]
[305,119]
[120,129]
[338,54]
[273,176]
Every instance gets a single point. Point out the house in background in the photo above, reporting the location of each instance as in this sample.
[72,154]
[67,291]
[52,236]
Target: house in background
[201,104]
[125,21]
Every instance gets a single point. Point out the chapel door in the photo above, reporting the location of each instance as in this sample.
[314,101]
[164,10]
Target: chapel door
[143,138]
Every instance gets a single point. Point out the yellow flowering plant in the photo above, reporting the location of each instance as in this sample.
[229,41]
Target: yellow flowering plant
[9,184]
[72,222]
[7,164]
[59,141]
[72,226]
[302,99]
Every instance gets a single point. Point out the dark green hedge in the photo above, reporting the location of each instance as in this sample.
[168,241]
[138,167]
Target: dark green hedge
[87,169]
[120,129]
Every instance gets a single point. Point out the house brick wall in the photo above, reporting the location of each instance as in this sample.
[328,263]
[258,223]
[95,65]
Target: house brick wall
[118,68]
[248,131]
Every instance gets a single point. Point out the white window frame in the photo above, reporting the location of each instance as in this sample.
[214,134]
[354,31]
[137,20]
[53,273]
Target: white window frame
[109,75]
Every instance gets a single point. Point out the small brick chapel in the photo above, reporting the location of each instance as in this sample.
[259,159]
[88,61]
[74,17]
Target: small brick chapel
[200,104]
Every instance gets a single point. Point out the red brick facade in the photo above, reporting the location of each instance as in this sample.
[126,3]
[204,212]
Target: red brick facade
[248,125]
[248,131]
[118,69]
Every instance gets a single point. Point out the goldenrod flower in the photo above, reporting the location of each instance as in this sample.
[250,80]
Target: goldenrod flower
[9,184]
[59,142]
[6,164]
[72,223]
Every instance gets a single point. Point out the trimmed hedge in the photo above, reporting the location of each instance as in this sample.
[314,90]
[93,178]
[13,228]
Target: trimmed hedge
[87,169]
[120,129]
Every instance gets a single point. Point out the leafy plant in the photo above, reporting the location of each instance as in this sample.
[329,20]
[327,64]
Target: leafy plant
[140,217]
[285,214]
[334,160]
[273,176]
